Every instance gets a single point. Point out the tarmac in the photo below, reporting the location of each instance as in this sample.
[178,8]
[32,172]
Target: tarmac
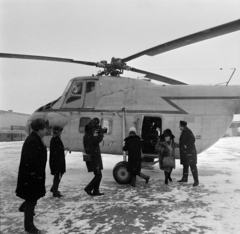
[153,208]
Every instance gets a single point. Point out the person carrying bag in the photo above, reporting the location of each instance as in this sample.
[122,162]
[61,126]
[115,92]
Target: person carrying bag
[166,153]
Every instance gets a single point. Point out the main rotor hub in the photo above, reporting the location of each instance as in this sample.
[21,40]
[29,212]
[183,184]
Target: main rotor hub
[114,68]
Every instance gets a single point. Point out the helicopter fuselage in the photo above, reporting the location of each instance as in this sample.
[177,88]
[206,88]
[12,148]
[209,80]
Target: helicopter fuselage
[208,110]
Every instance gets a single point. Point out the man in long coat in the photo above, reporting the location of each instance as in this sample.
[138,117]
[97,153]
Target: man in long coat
[92,137]
[57,160]
[188,153]
[31,174]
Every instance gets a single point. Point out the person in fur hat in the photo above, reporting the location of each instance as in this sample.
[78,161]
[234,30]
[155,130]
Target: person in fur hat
[166,148]
[133,147]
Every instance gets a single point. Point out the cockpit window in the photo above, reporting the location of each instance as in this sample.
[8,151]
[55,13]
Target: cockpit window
[90,87]
[77,89]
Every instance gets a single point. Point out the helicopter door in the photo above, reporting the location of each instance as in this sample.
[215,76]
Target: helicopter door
[138,120]
[75,96]
[89,101]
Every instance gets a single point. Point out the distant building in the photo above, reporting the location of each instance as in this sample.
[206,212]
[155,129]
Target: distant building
[12,125]
[234,129]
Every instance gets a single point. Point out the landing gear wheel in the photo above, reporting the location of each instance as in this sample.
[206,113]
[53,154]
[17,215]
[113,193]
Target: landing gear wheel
[120,173]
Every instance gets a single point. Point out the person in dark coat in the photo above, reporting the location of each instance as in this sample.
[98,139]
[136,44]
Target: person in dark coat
[31,174]
[133,147]
[166,148]
[57,161]
[92,137]
[188,153]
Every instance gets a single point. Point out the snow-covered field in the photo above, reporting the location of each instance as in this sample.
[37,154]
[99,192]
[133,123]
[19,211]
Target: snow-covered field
[213,207]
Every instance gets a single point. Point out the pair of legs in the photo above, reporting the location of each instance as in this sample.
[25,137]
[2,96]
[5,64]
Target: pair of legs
[194,174]
[168,176]
[134,174]
[92,188]
[28,208]
[56,181]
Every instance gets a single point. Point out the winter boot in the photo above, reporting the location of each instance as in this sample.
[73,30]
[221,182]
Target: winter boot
[31,229]
[169,175]
[145,177]
[166,177]
[133,182]
[195,176]
[55,186]
[185,174]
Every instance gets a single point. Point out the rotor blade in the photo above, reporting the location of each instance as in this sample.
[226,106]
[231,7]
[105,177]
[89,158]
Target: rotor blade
[35,57]
[158,77]
[190,39]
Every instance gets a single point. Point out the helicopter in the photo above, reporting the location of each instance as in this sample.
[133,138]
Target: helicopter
[122,102]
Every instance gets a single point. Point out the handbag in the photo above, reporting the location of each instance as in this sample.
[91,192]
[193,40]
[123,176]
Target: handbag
[87,157]
[168,162]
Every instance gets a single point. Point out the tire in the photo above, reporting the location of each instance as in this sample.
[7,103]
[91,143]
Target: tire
[120,173]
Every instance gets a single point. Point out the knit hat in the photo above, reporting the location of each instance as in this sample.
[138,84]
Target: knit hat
[132,129]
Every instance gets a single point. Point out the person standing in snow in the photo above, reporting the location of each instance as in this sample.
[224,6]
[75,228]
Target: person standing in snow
[188,153]
[31,174]
[133,146]
[92,137]
[166,148]
[57,160]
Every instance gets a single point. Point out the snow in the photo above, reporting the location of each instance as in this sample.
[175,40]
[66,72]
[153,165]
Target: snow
[212,207]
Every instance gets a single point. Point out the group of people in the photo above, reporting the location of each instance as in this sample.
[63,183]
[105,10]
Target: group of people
[188,153]
[31,175]
[165,147]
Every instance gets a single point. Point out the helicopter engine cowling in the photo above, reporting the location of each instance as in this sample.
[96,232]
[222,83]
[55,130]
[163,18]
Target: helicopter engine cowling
[53,118]
[57,119]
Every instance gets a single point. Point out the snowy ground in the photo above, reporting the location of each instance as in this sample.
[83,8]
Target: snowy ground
[213,207]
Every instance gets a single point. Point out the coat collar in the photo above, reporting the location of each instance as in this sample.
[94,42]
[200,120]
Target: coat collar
[34,134]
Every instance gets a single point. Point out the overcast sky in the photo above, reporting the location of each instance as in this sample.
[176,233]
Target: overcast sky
[98,30]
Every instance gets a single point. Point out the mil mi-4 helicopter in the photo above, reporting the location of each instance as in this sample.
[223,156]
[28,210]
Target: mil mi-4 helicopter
[121,103]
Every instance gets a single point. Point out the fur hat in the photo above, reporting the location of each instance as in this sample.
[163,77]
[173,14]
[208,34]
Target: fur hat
[39,124]
[57,129]
[167,132]
[183,123]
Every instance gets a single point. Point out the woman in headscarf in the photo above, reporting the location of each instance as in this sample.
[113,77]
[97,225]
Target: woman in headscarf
[133,146]
[166,148]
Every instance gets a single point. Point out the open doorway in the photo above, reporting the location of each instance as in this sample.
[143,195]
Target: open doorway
[151,131]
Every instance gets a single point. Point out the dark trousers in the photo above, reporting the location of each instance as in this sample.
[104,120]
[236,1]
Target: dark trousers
[56,181]
[29,207]
[95,182]
[194,171]
[168,174]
